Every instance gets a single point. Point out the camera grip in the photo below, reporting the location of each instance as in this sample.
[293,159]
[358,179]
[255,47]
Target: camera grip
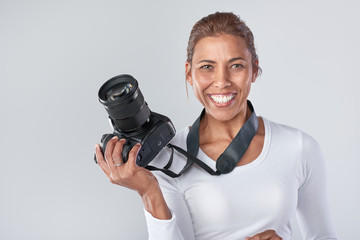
[103,142]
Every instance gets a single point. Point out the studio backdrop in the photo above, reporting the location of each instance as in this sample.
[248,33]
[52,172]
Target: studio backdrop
[54,56]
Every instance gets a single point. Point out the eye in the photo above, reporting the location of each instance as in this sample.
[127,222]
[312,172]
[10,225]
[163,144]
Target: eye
[206,67]
[238,65]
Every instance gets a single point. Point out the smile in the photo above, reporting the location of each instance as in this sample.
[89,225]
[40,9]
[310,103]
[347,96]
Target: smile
[222,98]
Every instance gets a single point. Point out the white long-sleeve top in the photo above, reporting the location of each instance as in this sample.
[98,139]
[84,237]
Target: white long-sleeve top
[286,179]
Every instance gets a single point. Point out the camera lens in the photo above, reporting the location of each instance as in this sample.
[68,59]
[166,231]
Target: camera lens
[124,102]
[117,92]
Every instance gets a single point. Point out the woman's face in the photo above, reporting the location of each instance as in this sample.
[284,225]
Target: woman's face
[221,75]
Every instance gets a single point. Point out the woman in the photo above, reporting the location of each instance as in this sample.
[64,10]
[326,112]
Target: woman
[281,172]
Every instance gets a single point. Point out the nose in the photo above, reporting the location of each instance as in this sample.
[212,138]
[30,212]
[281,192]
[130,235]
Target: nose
[221,79]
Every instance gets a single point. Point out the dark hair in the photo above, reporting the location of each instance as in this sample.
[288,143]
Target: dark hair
[222,23]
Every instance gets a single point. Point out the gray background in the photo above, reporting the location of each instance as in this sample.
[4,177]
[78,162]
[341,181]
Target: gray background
[54,55]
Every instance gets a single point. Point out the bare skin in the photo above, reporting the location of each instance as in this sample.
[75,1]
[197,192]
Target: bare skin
[266,235]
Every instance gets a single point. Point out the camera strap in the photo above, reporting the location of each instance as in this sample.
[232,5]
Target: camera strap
[227,161]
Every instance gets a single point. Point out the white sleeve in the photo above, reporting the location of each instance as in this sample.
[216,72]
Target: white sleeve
[180,226]
[313,209]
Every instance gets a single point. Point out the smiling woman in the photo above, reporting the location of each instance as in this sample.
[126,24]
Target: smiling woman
[280,175]
[221,74]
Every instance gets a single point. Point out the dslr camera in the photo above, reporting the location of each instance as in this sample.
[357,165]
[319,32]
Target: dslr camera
[132,119]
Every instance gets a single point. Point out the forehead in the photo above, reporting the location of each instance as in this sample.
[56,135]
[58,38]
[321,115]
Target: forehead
[225,45]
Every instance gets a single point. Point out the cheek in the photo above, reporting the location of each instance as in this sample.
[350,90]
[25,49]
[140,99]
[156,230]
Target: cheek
[201,79]
[199,89]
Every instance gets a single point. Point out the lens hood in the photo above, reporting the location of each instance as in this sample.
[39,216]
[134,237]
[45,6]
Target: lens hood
[129,110]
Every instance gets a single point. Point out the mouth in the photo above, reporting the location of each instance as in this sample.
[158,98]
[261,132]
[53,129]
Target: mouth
[222,98]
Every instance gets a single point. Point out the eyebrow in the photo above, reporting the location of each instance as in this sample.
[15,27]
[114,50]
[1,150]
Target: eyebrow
[237,58]
[231,60]
[207,61]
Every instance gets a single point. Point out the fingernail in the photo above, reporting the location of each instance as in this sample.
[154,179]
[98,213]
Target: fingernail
[96,147]
[114,137]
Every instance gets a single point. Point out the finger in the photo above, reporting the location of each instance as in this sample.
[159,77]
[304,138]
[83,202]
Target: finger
[266,235]
[101,160]
[275,236]
[108,156]
[255,237]
[109,149]
[117,153]
[98,153]
[133,155]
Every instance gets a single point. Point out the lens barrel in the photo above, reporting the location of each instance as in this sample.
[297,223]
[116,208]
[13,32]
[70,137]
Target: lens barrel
[124,102]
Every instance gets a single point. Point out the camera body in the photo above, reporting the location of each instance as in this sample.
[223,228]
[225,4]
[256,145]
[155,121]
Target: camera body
[132,120]
[154,136]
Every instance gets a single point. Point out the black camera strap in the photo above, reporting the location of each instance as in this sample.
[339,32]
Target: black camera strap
[227,161]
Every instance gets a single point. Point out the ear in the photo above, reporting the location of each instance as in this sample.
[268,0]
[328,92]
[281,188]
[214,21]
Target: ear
[255,72]
[188,73]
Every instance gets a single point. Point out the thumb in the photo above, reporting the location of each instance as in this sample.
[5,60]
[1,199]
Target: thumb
[133,155]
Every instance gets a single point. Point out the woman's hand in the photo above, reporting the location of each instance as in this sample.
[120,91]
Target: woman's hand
[130,175]
[267,235]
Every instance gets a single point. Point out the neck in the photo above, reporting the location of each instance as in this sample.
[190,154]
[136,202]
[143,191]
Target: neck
[211,128]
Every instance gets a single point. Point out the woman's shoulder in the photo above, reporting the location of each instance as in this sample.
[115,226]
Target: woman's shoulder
[294,140]
[288,132]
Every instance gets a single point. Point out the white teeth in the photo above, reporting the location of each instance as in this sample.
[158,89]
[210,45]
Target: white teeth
[222,98]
